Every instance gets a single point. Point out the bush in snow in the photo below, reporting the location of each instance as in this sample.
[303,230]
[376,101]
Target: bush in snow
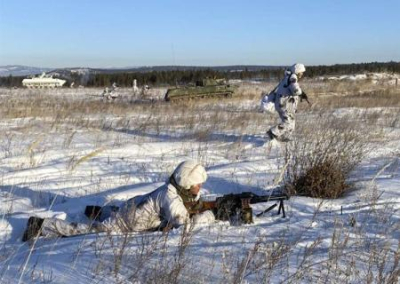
[319,162]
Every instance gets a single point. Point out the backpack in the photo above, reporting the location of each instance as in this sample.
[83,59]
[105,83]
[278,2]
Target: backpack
[268,102]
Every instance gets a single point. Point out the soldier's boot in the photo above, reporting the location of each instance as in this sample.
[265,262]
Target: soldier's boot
[33,228]
[283,138]
[270,136]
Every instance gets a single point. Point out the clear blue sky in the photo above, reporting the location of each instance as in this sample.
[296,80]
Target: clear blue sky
[121,33]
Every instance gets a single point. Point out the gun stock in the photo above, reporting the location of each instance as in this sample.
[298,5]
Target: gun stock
[196,207]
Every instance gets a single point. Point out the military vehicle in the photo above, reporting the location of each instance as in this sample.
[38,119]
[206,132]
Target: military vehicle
[205,88]
[43,81]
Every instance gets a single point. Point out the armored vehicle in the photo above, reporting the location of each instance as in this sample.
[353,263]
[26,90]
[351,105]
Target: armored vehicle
[205,88]
[43,81]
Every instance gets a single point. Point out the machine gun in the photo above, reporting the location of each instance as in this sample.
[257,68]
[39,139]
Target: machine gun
[238,205]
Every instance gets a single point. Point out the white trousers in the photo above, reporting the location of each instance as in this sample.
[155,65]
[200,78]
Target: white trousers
[286,106]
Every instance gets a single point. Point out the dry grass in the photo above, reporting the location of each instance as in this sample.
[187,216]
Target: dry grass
[157,118]
[232,114]
[363,94]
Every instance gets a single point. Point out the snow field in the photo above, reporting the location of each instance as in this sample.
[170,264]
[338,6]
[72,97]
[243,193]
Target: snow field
[56,163]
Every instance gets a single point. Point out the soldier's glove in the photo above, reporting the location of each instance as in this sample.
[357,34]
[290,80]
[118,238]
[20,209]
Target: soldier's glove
[167,228]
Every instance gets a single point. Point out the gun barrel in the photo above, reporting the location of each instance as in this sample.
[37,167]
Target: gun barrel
[266,198]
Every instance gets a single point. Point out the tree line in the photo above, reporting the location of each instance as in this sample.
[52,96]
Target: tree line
[343,69]
[176,77]
[182,77]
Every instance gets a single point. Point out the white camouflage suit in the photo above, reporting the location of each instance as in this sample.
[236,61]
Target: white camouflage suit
[147,212]
[286,100]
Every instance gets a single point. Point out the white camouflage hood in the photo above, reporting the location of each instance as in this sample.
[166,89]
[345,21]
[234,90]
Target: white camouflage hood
[189,173]
[297,68]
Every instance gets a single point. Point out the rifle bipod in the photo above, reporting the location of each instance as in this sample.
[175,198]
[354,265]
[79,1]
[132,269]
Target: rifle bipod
[281,208]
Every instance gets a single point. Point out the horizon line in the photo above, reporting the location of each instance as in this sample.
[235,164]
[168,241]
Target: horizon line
[196,66]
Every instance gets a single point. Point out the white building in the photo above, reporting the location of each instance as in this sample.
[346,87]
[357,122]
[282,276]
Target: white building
[43,82]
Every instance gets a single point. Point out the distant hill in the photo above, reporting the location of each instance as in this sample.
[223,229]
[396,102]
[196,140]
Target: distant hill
[19,70]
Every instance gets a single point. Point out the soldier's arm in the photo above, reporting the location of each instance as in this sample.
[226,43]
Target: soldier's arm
[174,211]
[294,86]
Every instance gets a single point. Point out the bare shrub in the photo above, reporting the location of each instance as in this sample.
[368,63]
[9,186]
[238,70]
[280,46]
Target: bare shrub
[324,180]
[319,165]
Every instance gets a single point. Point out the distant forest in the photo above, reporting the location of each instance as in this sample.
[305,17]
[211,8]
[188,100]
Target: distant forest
[182,77]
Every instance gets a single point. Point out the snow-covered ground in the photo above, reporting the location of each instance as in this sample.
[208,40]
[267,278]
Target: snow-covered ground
[375,78]
[54,165]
